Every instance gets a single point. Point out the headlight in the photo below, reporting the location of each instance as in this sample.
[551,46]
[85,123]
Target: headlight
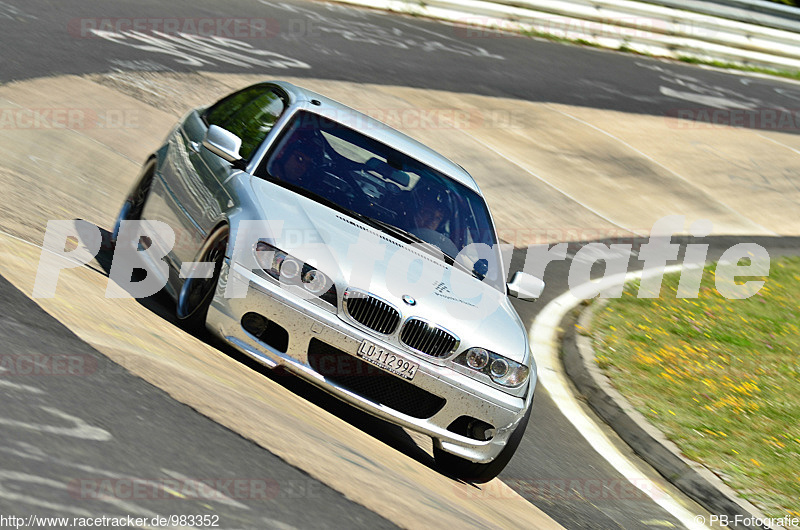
[477,358]
[498,368]
[315,282]
[291,271]
[269,258]
[501,370]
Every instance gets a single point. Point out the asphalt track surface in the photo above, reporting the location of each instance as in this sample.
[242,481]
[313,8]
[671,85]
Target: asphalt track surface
[128,428]
[48,37]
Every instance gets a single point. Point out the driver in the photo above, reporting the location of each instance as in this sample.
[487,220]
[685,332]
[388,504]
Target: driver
[433,210]
[432,218]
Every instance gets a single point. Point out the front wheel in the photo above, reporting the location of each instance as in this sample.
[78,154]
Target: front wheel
[458,467]
[198,291]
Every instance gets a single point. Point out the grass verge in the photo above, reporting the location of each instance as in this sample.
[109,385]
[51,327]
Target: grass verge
[720,377]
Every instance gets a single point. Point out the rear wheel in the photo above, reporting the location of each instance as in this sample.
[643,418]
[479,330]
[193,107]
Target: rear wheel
[133,206]
[196,294]
[458,467]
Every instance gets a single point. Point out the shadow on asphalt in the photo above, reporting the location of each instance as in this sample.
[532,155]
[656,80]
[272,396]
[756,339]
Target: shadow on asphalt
[163,306]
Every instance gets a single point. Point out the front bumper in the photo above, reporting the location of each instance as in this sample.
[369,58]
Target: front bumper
[305,321]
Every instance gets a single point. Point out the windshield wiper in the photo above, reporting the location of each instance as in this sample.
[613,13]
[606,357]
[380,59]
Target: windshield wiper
[408,237]
[399,233]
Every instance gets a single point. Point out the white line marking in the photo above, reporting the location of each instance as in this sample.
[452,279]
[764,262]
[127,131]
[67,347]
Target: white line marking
[792,149]
[17,386]
[80,429]
[31,243]
[18,494]
[559,190]
[545,347]
[659,164]
[705,100]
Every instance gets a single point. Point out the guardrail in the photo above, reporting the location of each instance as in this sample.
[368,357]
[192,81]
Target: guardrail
[658,30]
[758,12]
[766,7]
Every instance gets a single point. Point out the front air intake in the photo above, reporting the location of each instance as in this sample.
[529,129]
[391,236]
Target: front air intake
[371,312]
[428,338]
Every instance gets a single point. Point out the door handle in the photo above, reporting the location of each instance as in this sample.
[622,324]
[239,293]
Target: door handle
[195,146]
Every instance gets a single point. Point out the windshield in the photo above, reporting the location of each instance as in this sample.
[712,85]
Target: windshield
[388,189]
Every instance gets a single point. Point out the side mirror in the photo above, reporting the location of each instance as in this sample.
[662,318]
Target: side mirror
[224,144]
[525,286]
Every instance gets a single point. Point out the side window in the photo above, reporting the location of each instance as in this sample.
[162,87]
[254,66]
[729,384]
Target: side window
[249,114]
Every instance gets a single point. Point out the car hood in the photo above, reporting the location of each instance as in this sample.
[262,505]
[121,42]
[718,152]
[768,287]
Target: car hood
[358,256]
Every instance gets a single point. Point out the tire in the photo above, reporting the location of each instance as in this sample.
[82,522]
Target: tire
[458,467]
[196,294]
[133,206]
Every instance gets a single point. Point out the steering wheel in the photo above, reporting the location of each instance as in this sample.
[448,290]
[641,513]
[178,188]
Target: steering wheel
[437,239]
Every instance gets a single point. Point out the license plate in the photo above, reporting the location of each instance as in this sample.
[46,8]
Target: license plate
[387,360]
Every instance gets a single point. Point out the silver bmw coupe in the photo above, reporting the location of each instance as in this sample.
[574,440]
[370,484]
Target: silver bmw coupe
[312,237]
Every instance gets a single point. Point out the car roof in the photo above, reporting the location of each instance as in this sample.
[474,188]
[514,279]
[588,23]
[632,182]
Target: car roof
[377,130]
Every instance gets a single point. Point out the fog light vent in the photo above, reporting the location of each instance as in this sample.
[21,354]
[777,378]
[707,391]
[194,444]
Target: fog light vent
[472,428]
[266,331]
